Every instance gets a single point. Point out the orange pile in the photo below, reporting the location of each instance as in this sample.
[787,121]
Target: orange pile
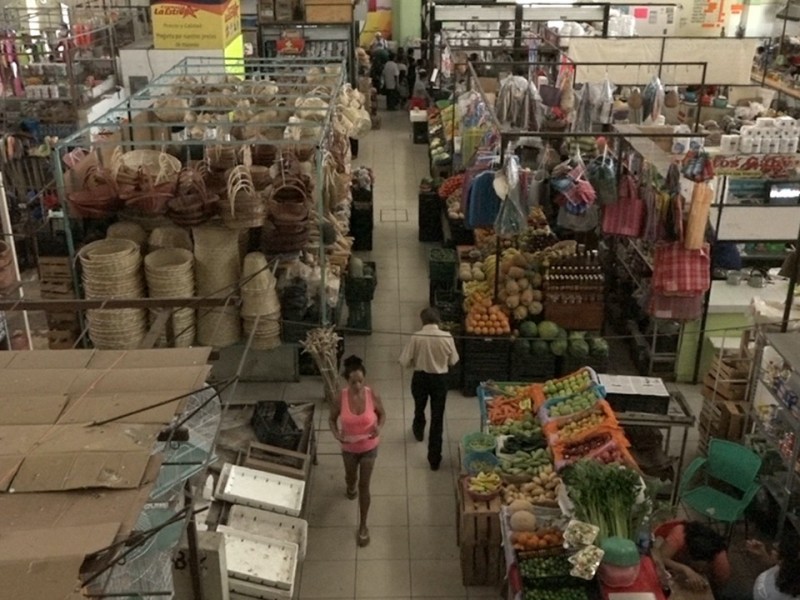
[485,318]
[539,540]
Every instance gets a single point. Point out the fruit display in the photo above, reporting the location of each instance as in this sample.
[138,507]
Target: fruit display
[454,206]
[523,443]
[485,318]
[542,567]
[575,450]
[450,186]
[576,403]
[527,428]
[550,538]
[525,463]
[581,345]
[484,484]
[580,427]
[569,384]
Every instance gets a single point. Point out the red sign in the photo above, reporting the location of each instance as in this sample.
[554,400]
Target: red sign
[757,166]
[291,43]
[183,10]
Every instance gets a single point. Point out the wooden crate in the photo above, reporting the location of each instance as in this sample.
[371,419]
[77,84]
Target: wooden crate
[329,11]
[477,522]
[56,289]
[482,564]
[720,390]
[724,420]
[588,316]
[727,377]
[272,459]
[54,268]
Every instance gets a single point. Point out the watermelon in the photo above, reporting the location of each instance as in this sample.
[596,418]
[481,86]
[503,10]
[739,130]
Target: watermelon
[558,347]
[548,330]
[598,347]
[528,329]
[521,346]
[540,348]
[578,349]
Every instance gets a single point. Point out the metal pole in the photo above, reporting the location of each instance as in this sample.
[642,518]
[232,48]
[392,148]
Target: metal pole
[5,219]
[194,556]
[793,276]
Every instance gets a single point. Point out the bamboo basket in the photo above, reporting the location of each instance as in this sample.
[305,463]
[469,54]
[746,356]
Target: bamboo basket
[126,230]
[217,260]
[247,208]
[169,237]
[219,327]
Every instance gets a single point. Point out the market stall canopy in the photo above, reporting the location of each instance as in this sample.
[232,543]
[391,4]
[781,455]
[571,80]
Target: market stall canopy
[76,465]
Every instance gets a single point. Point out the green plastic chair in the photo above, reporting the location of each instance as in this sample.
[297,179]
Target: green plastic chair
[731,464]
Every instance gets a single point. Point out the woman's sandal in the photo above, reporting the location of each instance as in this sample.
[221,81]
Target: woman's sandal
[363,538]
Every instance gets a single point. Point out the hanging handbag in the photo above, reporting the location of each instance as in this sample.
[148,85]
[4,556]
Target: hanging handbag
[626,216]
[681,272]
[697,222]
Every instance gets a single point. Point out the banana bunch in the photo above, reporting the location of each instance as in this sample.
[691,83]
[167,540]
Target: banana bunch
[484,483]
[490,267]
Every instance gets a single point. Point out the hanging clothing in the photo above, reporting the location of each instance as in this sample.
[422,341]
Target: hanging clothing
[483,203]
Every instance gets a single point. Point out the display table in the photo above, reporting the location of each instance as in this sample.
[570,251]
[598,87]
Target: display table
[728,308]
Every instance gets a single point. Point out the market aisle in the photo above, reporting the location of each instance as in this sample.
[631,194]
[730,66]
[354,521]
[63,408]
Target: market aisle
[413,552]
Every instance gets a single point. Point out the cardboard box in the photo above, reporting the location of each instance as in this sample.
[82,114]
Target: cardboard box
[329,11]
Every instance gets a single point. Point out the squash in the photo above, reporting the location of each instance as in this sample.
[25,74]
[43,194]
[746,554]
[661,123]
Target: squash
[465,272]
[523,284]
[502,294]
[512,301]
[520,312]
[512,287]
[520,505]
[535,308]
[520,261]
[523,520]
[516,273]
[537,295]
[478,274]
[526,297]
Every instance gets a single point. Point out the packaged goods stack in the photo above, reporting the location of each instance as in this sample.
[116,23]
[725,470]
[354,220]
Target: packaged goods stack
[55,277]
[359,289]
[362,213]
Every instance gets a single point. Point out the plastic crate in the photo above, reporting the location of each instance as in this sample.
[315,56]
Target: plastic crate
[362,289]
[359,318]
[483,359]
[533,368]
[429,216]
[449,303]
[442,264]
[420,132]
[459,234]
[435,287]
[274,425]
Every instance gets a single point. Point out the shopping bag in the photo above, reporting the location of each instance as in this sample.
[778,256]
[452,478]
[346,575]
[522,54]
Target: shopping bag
[681,272]
[626,216]
[697,222]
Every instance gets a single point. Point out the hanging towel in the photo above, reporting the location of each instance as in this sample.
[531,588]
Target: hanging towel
[483,203]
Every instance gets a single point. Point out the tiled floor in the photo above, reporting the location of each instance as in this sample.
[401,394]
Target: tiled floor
[413,552]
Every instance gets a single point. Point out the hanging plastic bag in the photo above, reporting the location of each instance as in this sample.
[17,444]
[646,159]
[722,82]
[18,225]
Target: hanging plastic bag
[605,103]
[697,166]
[653,99]
[511,219]
[697,222]
[583,116]
[602,173]
[587,220]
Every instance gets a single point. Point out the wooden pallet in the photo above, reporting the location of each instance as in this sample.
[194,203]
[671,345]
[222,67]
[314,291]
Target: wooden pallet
[280,461]
[721,419]
[482,564]
[55,268]
[477,522]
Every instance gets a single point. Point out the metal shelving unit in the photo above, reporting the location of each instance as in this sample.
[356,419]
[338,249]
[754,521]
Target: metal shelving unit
[780,429]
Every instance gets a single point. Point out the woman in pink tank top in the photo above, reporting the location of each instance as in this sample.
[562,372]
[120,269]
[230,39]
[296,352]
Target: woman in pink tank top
[356,421]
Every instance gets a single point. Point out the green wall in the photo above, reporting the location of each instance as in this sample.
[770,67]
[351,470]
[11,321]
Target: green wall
[405,19]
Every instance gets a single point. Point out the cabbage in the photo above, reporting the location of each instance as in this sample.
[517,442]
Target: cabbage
[548,330]
[598,347]
[578,348]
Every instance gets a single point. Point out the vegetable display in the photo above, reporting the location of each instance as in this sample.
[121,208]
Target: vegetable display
[484,483]
[545,566]
[576,403]
[550,538]
[541,490]
[525,463]
[564,593]
[609,496]
[569,385]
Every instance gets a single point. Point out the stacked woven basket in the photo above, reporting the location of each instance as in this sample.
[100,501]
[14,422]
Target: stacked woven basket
[245,207]
[261,308]
[217,270]
[112,268]
[170,274]
[286,227]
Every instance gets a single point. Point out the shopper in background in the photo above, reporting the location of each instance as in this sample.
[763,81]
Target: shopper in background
[403,91]
[419,93]
[391,82]
[694,553]
[430,352]
[378,42]
[782,580]
[356,420]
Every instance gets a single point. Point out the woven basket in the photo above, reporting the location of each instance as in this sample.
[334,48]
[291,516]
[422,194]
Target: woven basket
[264,154]
[126,230]
[98,196]
[218,327]
[160,167]
[170,273]
[267,335]
[169,237]
[170,109]
[221,158]
[217,260]
[246,208]
[120,329]
[261,177]
[149,222]
[259,295]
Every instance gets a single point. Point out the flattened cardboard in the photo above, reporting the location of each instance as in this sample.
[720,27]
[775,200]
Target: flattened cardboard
[20,439]
[35,382]
[7,357]
[145,359]
[140,380]
[31,410]
[47,359]
[78,508]
[44,563]
[8,469]
[77,457]
[99,407]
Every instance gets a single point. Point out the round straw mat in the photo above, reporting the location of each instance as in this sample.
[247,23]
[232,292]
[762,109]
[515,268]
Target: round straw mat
[217,260]
[219,327]
[170,237]
[127,230]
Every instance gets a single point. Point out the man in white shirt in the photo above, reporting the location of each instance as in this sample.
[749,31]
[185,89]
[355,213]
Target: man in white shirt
[391,81]
[430,352]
